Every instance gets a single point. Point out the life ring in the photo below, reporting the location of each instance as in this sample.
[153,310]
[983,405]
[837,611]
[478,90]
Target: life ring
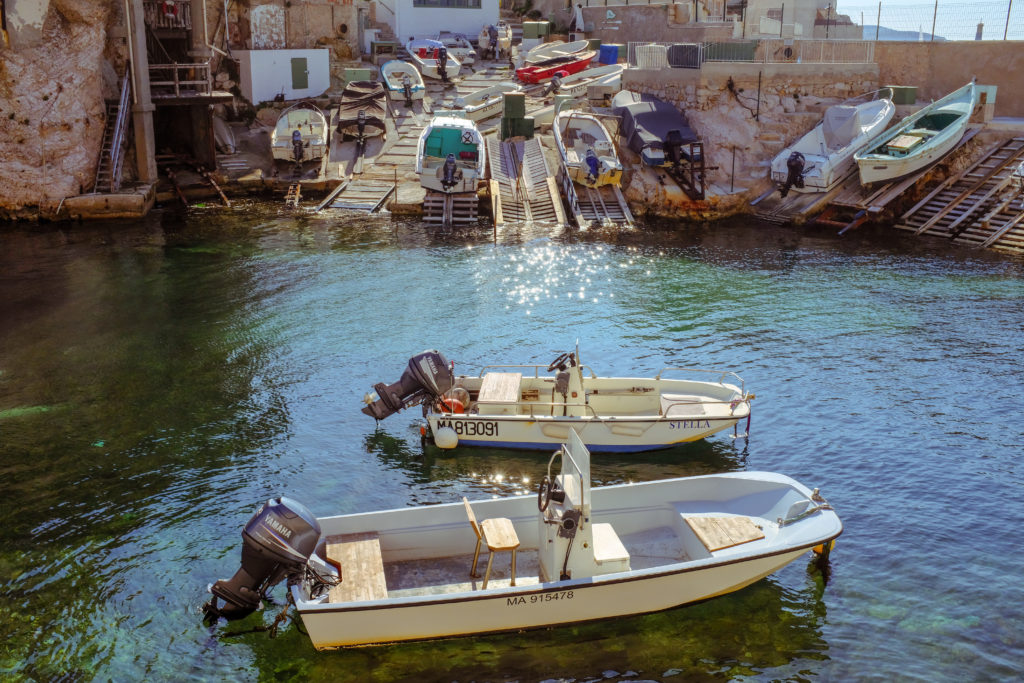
[169,8]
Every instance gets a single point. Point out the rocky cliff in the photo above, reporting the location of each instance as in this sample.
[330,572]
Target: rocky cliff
[52,88]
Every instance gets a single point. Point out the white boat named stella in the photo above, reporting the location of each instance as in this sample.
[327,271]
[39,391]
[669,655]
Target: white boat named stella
[586,149]
[516,406]
[919,140]
[301,133]
[819,160]
[450,156]
[570,554]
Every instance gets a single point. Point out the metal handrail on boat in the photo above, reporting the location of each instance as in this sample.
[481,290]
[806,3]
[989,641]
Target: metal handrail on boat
[721,378]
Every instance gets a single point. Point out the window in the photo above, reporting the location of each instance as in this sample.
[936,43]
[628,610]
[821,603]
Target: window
[471,4]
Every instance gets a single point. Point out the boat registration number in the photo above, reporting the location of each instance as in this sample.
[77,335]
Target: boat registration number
[537,599]
[471,427]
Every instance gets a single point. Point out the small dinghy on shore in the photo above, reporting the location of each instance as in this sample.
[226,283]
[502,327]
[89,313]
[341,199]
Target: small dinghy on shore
[557,48]
[424,54]
[458,46]
[486,102]
[362,111]
[402,81]
[571,554]
[819,160]
[562,64]
[516,406]
[586,149]
[919,140]
[301,133]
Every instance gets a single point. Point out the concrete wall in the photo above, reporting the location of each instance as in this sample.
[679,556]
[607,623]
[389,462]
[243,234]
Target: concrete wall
[938,68]
[266,73]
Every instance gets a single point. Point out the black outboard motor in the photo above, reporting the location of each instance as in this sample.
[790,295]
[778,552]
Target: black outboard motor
[450,172]
[407,89]
[674,149]
[276,542]
[427,377]
[795,174]
[361,123]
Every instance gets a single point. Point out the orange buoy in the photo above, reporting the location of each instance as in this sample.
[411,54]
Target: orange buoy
[453,405]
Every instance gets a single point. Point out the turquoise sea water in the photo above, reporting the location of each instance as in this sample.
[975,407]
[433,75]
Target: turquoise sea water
[158,380]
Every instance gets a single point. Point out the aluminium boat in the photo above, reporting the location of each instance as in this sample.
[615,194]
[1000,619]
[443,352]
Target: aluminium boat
[537,407]
[570,554]
[919,140]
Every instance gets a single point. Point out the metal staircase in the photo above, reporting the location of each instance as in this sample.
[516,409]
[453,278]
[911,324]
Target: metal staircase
[108,167]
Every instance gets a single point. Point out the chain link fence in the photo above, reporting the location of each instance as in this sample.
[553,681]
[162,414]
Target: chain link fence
[945,20]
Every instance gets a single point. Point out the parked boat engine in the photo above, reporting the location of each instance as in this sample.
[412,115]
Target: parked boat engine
[428,376]
[795,165]
[277,542]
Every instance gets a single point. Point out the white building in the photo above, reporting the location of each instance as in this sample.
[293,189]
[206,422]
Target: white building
[426,18]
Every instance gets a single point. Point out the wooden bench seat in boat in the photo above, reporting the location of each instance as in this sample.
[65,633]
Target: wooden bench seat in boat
[609,553]
[499,393]
[681,406]
[361,565]
[717,533]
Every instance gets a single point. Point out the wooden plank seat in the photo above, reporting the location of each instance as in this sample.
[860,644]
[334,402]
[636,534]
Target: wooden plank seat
[499,535]
[717,533]
[681,405]
[361,567]
[500,387]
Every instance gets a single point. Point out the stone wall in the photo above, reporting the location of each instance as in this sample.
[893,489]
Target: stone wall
[52,83]
[939,68]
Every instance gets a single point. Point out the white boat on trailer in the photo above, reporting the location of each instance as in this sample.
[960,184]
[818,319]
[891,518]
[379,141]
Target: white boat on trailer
[516,406]
[822,158]
[571,554]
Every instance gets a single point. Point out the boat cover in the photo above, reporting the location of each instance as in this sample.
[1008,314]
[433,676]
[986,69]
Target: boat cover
[647,121]
[841,125]
[368,96]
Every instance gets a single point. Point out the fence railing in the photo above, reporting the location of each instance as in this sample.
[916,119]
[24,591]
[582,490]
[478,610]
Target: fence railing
[168,14]
[174,80]
[655,55]
[117,143]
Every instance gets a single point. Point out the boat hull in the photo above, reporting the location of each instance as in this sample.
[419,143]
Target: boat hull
[541,73]
[426,552]
[601,435]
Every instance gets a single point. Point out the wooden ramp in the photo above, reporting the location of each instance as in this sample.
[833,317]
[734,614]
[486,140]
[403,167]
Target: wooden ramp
[522,189]
[361,194]
[449,209]
[977,207]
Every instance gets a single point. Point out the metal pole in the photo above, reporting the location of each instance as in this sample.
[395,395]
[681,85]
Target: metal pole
[934,15]
[1009,6]
[878,22]
[782,18]
[757,114]
[828,17]
[733,176]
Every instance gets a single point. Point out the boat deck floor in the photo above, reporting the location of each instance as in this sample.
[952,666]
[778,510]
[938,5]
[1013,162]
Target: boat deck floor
[444,575]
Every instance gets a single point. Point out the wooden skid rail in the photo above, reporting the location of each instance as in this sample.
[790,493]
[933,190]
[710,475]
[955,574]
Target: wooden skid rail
[978,207]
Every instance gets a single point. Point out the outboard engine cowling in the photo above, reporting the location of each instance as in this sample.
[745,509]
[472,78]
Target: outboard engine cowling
[795,173]
[428,376]
[276,542]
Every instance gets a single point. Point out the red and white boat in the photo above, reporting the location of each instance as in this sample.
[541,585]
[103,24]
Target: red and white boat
[542,71]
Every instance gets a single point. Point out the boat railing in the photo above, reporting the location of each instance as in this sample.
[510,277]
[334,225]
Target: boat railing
[535,368]
[722,374]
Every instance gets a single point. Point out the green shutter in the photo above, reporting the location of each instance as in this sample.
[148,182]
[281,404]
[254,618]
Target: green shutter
[300,74]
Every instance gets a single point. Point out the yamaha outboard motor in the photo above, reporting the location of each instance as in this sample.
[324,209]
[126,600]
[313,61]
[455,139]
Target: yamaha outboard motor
[277,542]
[795,175]
[407,89]
[361,123]
[442,63]
[427,377]
[450,171]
